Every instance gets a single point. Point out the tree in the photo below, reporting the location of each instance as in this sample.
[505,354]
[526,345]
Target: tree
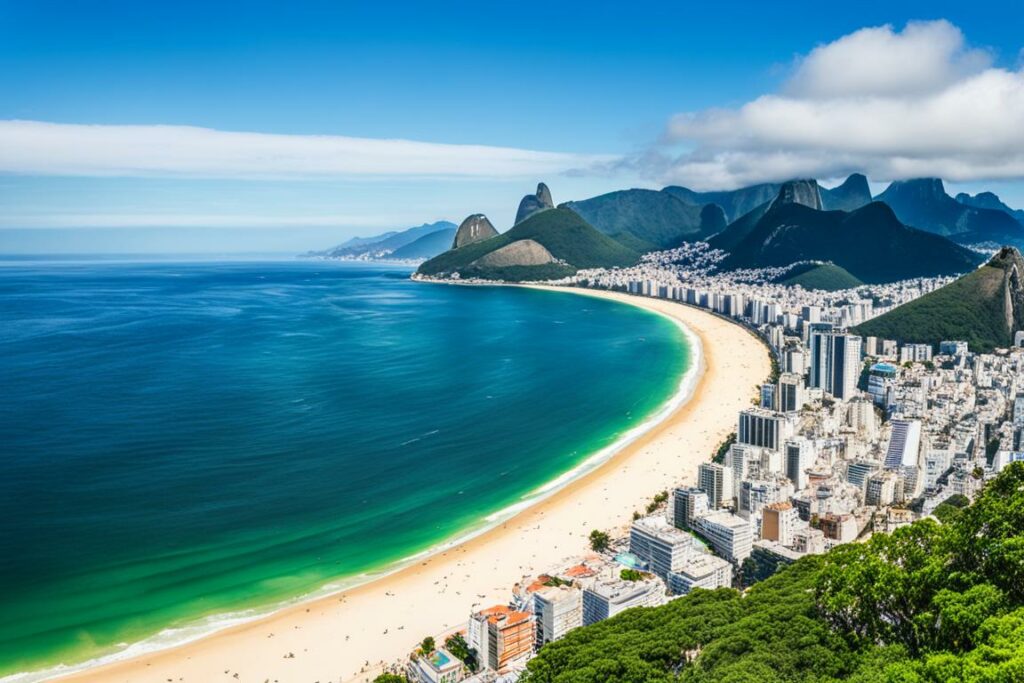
[458,646]
[599,541]
[631,575]
[390,678]
[428,645]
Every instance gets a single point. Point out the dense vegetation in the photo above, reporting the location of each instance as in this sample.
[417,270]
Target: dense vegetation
[931,603]
[870,243]
[825,276]
[562,232]
[971,308]
[648,217]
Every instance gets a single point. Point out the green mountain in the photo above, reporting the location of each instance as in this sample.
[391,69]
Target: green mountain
[657,220]
[924,204]
[869,242]
[824,276]
[381,246]
[852,194]
[734,203]
[984,308]
[549,244]
[989,200]
[428,246]
[929,603]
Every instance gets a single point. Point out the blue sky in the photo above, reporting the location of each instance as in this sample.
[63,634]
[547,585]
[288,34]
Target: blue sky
[600,85]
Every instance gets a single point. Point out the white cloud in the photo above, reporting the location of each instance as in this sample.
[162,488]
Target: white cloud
[40,148]
[890,104]
[924,57]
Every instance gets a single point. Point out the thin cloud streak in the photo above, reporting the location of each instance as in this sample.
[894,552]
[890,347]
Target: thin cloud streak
[42,148]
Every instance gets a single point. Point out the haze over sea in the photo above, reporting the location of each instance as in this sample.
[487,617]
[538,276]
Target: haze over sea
[182,443]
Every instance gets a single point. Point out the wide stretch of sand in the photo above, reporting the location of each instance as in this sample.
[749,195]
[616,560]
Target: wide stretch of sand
[333,638]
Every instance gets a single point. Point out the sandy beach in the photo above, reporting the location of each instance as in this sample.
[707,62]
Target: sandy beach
[344,637]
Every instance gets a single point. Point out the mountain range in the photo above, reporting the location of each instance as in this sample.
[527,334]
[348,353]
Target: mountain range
[842,234]
[422,241]
[869,242]
[924,204]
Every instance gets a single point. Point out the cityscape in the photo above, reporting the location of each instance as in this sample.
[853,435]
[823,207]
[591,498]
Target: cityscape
[852,436]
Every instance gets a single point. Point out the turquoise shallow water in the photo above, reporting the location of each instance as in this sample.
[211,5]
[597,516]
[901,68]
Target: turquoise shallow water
[181,440]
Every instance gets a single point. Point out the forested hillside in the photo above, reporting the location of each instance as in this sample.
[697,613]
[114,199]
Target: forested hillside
[931,603]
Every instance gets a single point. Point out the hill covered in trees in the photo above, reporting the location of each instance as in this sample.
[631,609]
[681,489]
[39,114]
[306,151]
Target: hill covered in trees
[824,276]
[649,218]
[984,308]
[549,244]
[930,603]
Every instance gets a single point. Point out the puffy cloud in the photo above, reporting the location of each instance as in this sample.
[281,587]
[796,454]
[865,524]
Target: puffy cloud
[924,57]
[890,104]
[40,148]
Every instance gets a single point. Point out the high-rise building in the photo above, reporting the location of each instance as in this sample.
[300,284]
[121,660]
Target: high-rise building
[795,361]
[858,471]
[915,353]
[881,379]
[716,481]
[798,459]
[703,570]
[663,547]
[740,459]
[762,428]
[904,445]
[881,488]
[835,363]
[790,393]
[607,598]
[688,502]
[779,522]
[728,534]
[500,636]
[768,396]
[557,610]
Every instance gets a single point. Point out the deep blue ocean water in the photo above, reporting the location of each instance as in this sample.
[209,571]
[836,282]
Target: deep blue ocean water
[179,440]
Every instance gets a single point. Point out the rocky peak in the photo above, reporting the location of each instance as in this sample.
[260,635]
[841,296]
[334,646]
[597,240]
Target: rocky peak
[851,195]
[475,228]
[534,203]
[804,192]
[924,188]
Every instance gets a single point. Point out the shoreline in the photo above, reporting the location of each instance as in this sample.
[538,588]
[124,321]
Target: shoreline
[332,636]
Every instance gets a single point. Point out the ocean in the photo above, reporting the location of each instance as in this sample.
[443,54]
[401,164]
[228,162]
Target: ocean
[187,444]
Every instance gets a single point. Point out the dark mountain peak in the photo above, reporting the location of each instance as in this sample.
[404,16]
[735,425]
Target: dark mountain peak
[712,219]
[924,204]
[852,194]
[534,203]
[804,192]
[982,200]
[880,212]
[475,228]
[923,188]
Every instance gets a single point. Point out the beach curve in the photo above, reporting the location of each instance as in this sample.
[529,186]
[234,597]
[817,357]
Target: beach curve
[344,636]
